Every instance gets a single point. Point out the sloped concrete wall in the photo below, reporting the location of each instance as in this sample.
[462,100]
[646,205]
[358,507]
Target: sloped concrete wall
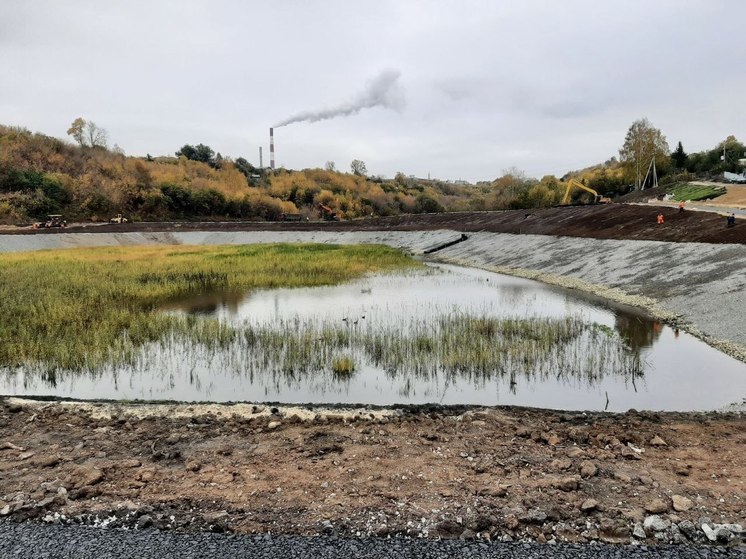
[416,242]
[704,284]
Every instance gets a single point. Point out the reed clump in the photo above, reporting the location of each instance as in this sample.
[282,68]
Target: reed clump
[343,366]
[478,348]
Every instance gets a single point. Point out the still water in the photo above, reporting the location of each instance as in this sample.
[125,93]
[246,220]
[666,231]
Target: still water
[674,371]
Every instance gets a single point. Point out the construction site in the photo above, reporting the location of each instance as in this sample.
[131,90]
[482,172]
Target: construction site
[492,473]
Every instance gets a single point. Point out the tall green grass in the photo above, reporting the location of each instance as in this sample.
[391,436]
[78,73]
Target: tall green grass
[81,309]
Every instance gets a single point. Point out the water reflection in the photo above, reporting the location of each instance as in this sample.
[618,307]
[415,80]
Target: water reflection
[638,331]
[402,333]
[207,303]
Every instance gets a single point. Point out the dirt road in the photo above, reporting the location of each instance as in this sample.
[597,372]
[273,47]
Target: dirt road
[610,221]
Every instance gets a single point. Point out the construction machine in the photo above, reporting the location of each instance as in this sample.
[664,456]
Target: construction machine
[118,219]
[53,220]
[327,213]
[572,183]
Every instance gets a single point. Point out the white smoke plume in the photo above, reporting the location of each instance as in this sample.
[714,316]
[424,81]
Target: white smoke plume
[382,91]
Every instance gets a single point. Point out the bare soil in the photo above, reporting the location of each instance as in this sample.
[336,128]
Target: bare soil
[735,197]
[606,221]
[432,471]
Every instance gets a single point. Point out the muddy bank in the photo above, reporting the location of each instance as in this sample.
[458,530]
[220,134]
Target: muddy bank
[493,473]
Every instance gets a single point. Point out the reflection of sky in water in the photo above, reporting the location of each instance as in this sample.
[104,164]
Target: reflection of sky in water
[681,373]
[391,299]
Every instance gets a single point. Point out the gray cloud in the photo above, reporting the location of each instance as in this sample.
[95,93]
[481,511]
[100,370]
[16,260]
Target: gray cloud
[543,85]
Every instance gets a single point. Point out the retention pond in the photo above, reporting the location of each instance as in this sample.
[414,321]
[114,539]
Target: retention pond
[445,334]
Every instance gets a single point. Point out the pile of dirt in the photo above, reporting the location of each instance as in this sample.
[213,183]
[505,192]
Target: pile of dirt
[493,473]
[606,221]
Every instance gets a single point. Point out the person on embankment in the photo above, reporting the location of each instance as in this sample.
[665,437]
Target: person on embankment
[660,218]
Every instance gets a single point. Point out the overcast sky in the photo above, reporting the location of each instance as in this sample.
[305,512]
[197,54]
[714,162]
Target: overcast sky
[545,86]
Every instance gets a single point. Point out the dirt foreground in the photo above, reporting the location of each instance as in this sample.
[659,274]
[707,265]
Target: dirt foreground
[493,473]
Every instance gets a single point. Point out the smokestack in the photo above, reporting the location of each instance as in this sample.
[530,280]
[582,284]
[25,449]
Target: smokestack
[272,148]
[261,161]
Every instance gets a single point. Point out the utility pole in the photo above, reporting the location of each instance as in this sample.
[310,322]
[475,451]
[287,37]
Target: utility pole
[638,156]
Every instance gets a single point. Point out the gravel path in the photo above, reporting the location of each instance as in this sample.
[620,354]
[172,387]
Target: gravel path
[21,541]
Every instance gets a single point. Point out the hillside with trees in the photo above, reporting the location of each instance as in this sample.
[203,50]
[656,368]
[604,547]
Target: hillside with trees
[86,180]
[645,144]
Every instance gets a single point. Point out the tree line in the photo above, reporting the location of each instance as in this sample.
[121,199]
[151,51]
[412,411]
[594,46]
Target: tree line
[87,180]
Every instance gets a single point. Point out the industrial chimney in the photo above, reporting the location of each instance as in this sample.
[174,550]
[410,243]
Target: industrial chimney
[272,148]
[261,160]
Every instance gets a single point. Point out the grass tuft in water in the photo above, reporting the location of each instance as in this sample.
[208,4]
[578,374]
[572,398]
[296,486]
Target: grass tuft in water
[343,366]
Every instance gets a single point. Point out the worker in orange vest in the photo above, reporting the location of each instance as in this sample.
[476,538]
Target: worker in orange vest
[660,218]
[681,207]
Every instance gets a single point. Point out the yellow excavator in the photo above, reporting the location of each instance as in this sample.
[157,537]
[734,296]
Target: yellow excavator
[572,183]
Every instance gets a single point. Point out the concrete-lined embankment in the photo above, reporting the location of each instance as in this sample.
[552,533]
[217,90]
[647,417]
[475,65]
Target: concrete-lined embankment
[702,285]
[416,242]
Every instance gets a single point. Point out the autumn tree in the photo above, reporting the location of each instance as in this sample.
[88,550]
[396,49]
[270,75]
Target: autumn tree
[88,134]
[642,144]
[77,130]
[358,168]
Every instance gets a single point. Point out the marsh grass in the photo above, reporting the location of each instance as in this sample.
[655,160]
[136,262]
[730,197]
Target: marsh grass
[82,309]
[478,348]
[99,311]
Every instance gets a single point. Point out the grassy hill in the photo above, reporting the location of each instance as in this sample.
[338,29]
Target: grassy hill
[40,174]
